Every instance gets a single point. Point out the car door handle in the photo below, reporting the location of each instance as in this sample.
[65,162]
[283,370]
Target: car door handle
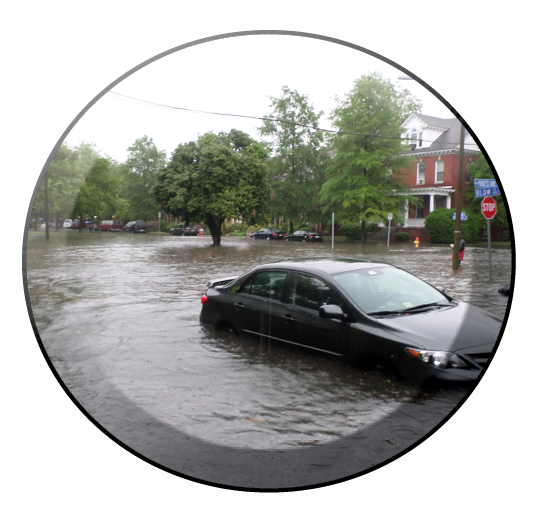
[288,317]
[239,306]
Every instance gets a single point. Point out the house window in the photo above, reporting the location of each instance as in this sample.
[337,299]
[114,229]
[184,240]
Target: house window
[420,173]
[439,172]
[414,135]
[419,211]
[421,139]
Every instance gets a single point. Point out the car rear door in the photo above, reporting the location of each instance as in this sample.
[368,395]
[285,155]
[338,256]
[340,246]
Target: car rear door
[257,304]
[305,294]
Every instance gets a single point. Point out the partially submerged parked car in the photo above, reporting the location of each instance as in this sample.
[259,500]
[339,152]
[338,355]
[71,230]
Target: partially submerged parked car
[268,233]
[191,230]
[184,230]
[111,225]
[305,236]
[374,314]
[67,223]
[135,227]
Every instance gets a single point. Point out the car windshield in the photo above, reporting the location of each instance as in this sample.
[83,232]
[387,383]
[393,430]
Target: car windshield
[388,290]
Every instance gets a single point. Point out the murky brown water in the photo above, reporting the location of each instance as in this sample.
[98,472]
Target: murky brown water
[119,318]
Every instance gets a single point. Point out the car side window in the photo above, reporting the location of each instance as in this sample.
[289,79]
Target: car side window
[310,292]
[267,284]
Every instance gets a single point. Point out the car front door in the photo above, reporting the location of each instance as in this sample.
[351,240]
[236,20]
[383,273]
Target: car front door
[305,295]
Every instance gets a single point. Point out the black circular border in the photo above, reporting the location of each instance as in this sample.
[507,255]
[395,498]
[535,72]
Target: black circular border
[270,462]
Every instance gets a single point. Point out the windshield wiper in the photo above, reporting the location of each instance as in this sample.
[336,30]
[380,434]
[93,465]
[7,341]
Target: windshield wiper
[418,308]
[427,306]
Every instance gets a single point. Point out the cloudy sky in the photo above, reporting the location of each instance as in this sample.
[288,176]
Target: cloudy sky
[235,76]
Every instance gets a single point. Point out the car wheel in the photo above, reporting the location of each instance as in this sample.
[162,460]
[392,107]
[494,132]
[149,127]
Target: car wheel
[268,238]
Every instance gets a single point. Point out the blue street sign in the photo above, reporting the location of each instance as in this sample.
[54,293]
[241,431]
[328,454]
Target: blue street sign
[484,192]
[485,183]
[462,216]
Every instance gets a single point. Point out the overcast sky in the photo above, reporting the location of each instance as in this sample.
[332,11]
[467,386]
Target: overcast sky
[237,76]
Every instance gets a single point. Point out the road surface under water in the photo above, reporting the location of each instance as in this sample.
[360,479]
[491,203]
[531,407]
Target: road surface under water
[118,315]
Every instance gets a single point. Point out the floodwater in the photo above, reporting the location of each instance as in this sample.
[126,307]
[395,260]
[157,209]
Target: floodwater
[118,315]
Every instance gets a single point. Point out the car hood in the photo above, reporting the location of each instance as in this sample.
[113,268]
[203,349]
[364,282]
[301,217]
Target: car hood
[448,329]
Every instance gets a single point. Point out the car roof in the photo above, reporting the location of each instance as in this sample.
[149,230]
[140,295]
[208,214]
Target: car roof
[325,265]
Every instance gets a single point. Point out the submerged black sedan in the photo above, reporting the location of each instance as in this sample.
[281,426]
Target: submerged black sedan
[305,236]
[268,233]
[374,314]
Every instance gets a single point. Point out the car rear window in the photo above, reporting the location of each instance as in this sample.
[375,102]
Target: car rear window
[267,284]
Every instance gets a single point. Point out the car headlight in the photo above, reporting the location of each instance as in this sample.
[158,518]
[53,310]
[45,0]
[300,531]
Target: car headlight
[438,359]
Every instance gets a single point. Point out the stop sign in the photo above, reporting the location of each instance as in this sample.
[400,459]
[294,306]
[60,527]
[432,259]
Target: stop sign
[488,207]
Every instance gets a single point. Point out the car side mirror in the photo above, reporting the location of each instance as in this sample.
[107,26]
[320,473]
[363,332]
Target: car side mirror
[331,312]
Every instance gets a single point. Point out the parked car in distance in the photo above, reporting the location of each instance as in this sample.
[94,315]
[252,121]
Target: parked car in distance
[305,236]
[178,230]
[191,230]
[268,233]
[67,223]
[75,224]
[135,227]
[373,314]
[111,225]
[505,289]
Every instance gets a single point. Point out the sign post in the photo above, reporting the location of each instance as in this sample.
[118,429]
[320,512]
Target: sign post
[159,220]
[332,229]
[489,209]
[389,217]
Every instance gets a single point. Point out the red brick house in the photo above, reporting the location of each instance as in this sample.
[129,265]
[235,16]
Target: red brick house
[434,143]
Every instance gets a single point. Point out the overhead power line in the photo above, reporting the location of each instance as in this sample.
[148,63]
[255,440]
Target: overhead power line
[264,118]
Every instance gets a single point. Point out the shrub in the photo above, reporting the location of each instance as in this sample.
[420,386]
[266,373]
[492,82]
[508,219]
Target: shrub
[403,236]
[231,228]
[352,231]
[440,226]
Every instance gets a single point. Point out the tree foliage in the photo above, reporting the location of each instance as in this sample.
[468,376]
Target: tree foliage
[297,162]
[98,195]
[139,173]
[220,176]
[65,176]
[363,176]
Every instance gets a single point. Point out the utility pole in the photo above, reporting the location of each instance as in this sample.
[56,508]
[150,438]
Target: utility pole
[459,189]
[46,199]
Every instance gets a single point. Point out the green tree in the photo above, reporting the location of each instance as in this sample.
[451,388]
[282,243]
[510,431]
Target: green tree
[480,169]
[440,226]
[363,176]
[297,163]
[98,195]
[219,176]
[139,174]
[65,176]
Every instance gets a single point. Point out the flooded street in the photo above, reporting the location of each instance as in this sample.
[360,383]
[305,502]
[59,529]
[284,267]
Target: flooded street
[118,315]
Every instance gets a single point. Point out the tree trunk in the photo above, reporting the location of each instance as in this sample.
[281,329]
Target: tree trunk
[290,228]
[81,217]
[363,232]
[215,227]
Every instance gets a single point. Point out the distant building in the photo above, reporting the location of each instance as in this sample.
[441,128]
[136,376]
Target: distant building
[434,143]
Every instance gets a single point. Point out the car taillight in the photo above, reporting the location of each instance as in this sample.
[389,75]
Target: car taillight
[273,234]
[204,300]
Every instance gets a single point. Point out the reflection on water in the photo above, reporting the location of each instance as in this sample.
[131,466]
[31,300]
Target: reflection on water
[121,312]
